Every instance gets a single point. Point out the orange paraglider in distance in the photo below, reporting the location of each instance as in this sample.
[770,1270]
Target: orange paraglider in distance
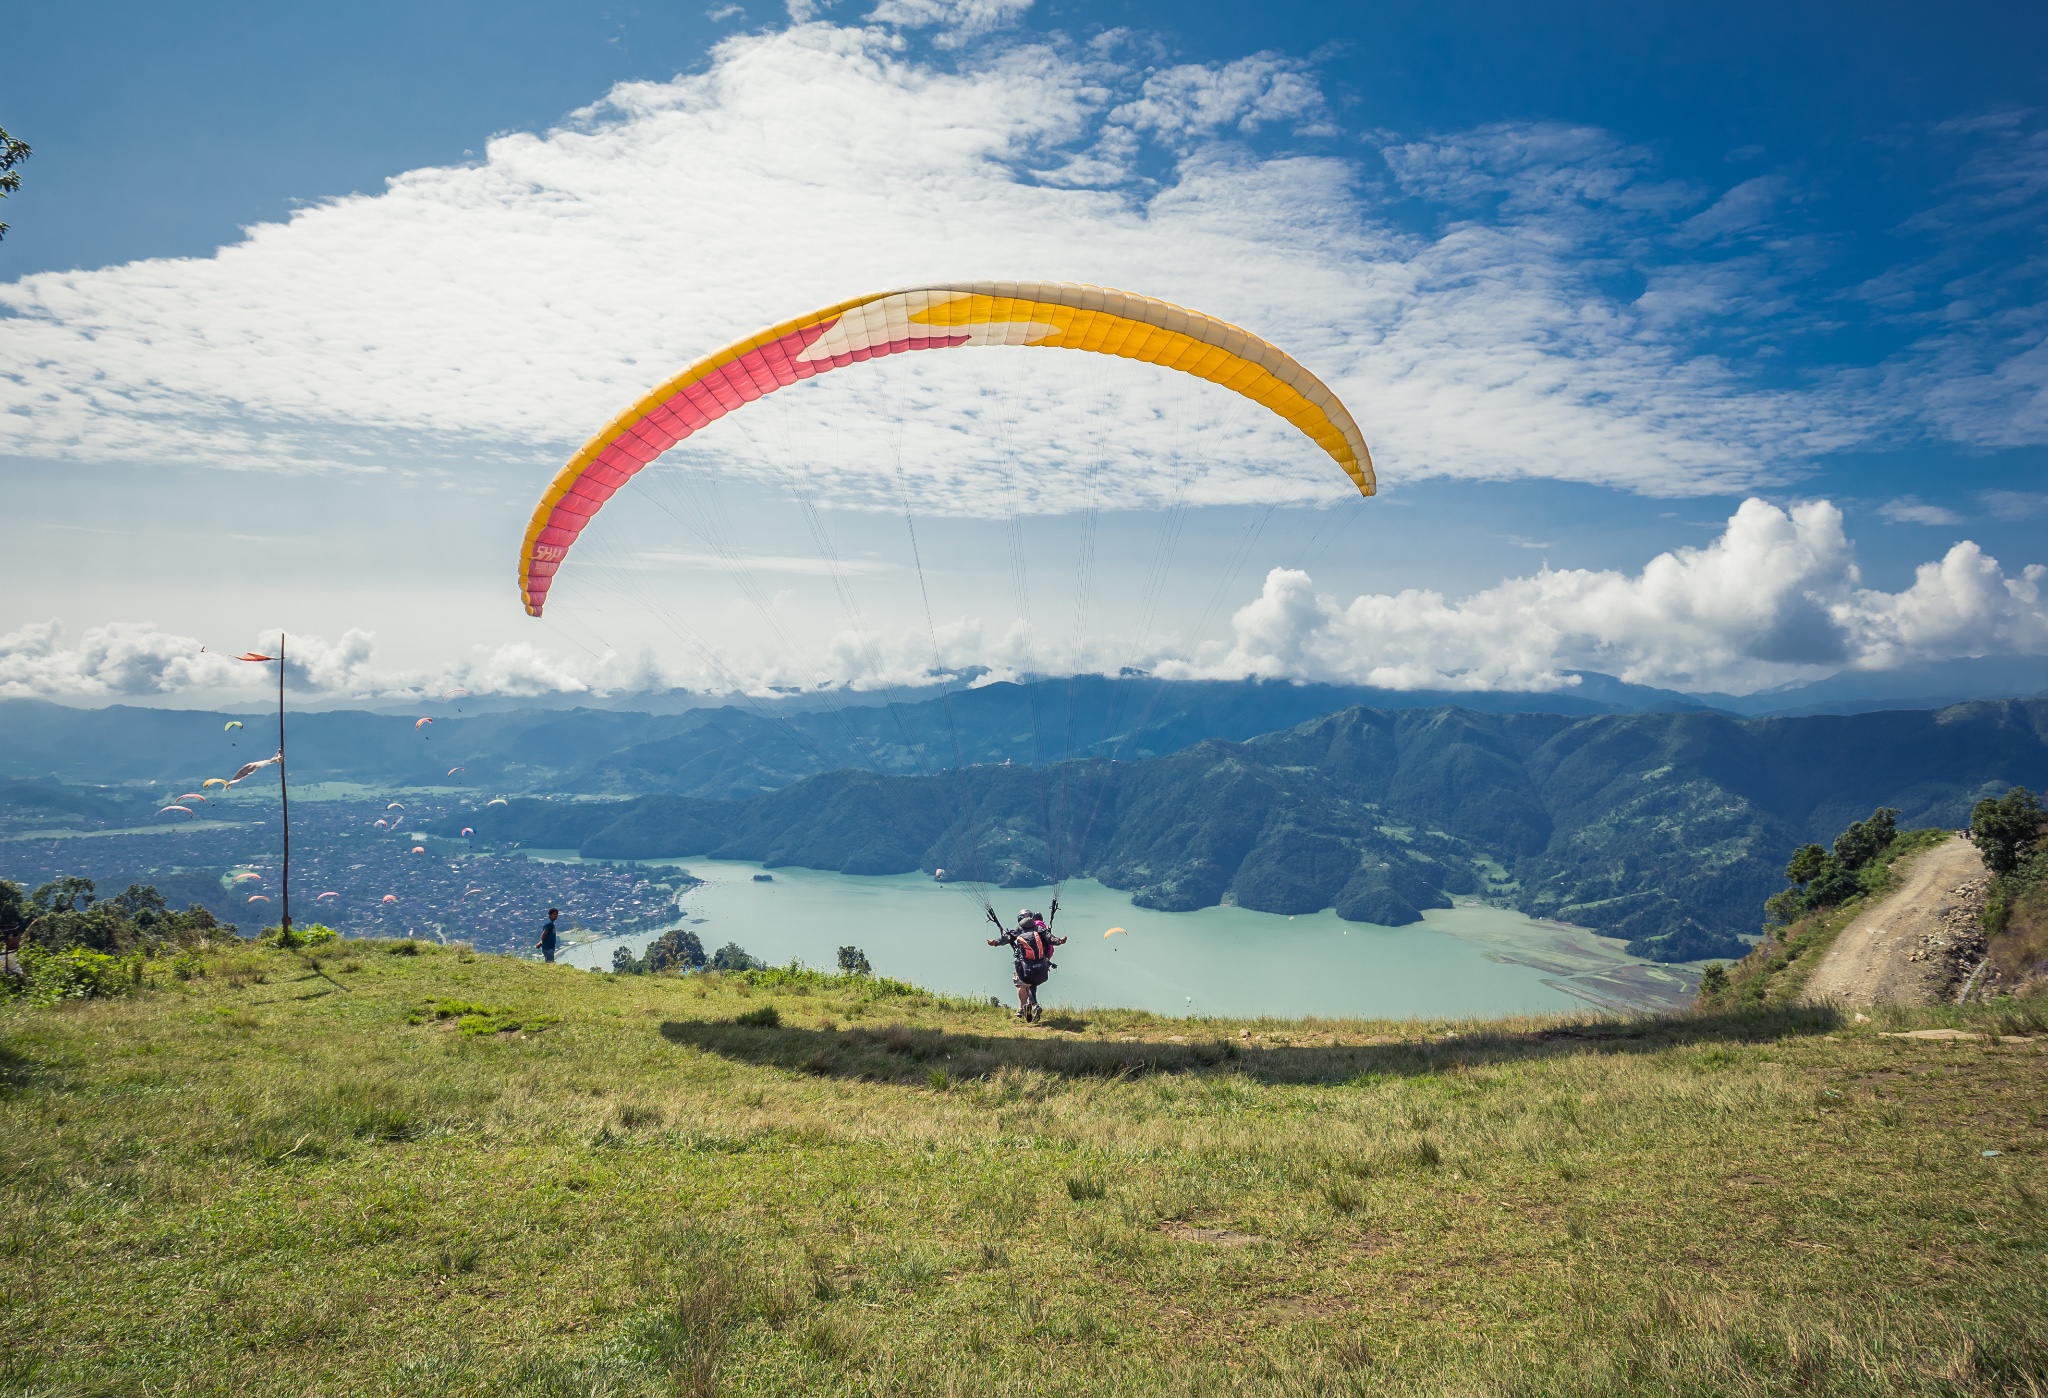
[391,897]
[1112,932]
[422,723]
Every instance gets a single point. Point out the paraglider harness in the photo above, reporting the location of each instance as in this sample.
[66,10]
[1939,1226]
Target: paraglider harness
[1032,946]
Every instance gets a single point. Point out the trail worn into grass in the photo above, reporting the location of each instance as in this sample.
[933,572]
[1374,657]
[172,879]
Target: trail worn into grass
[474,1175]
[1917,944]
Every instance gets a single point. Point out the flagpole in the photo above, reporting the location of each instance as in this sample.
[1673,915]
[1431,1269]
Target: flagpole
[284,801]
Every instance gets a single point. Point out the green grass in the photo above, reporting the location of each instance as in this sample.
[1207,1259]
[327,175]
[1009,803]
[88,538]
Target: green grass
[302,1173]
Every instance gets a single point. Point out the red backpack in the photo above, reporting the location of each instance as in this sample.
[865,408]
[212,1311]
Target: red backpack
[1034,946]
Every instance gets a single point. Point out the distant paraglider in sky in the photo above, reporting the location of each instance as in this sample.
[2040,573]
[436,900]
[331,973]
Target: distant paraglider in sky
[329,894]
[185,810]
[213,781]
[258,898]
[421,723]
[395,806]
[468,830]
[191,796]
[1057,315]
[231,725]
[455,694]
[1113,932]
[419,849]
[497,801]
[453,770]
[391,897]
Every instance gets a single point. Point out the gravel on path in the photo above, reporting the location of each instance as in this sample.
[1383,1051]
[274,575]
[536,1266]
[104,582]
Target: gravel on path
[1918,946]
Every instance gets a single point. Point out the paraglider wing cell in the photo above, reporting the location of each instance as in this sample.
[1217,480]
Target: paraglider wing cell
[1060,315]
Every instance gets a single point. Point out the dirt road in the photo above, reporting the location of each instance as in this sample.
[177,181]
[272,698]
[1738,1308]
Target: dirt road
[1918,946]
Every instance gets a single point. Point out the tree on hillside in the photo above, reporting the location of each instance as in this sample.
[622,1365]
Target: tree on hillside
[854,962]
[68,894]
[1822,879]
[2006,829]
[733,957]
[14,908]
[677,949]
[12,153]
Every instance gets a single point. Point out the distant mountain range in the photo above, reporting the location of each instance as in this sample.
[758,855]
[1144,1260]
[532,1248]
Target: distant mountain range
[1636,812]
[744,748]
[1668,829]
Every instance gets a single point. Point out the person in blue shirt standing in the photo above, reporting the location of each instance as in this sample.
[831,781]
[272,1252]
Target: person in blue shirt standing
[547,936]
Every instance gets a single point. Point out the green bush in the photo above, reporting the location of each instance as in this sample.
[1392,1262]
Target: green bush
[75,973]
[767,1017]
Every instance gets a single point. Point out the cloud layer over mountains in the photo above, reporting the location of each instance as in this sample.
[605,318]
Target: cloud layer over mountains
[1776,597]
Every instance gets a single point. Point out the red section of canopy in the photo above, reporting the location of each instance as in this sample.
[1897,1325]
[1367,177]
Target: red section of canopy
[753,375]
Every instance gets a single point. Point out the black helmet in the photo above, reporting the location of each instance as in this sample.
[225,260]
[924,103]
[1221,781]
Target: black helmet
[1025,915]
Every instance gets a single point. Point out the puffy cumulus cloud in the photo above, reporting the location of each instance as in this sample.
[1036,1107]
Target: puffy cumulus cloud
[1777,596]
[136,660]
[120,660]
[497,312]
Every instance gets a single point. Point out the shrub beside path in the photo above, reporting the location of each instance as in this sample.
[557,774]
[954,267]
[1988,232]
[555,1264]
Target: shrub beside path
[1917,946]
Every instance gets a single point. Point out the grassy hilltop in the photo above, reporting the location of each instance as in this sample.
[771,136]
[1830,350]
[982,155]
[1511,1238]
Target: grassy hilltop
[388,1168]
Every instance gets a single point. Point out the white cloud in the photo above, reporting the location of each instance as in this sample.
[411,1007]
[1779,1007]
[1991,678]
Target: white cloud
[1910,509]
[957,21]
[1196,99]
[2015,504]
[1776,597]
[137,660]
[496,313]
[114,661]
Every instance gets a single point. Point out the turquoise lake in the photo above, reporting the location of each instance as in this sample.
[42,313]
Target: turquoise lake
[1471,960]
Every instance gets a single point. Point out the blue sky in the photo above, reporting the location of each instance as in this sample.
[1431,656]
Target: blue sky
[1590,276]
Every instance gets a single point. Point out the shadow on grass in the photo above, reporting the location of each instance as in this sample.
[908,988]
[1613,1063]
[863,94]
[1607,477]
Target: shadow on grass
[900,1053]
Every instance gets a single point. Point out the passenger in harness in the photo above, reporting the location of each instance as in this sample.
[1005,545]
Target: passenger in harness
[1032,942]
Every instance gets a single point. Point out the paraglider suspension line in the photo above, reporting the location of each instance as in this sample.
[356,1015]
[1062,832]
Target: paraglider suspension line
[284,802]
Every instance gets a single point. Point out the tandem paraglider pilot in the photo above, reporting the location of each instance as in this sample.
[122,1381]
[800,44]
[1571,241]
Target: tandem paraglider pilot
[1032,941]
[547,935]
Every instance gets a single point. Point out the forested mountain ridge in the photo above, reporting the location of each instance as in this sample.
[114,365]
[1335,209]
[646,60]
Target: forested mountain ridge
[1668,829]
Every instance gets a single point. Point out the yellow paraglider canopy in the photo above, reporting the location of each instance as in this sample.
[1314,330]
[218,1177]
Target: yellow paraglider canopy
[1057,315]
